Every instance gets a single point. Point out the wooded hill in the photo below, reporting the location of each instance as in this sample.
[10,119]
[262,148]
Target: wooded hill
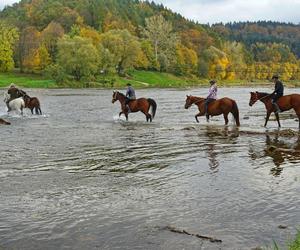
[84,40]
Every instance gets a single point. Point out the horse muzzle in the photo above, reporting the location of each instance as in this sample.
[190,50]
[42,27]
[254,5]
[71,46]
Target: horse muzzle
[113,100]
[186,106]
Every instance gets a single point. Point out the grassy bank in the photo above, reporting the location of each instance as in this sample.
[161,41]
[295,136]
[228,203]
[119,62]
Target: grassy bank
[25,80]
[140,79]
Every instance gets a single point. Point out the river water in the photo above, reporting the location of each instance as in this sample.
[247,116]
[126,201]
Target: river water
[78,177]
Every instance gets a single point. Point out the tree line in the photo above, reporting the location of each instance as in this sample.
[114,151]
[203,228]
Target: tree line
[86,39]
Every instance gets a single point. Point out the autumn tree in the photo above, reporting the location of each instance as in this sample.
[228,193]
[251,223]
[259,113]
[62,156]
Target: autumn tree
[29,43]
[50,36]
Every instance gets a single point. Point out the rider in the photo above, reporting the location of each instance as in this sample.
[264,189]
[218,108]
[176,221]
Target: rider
[14,93]
[277,93]
[212,96]
[130,95]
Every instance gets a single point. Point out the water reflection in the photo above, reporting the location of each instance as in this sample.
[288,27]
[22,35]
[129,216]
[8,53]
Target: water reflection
[284,151]
[212,157]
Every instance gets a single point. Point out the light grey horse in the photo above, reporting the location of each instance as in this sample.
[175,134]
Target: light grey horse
[17,104]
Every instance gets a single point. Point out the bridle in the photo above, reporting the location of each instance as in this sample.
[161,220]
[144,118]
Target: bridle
[198,101]
[115,96]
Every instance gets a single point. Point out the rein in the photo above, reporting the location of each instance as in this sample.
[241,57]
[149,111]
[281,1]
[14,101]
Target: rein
[202,100]
[264,97]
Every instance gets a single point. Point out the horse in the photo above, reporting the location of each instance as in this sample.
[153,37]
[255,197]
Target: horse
[4,122]
[140,104]
[17,104]
[217,107]
[285,103]
[32,103]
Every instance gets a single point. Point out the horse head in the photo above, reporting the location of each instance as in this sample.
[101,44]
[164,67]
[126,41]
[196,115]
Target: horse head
[26,98]
[114,96]
[188,101]
[253,98]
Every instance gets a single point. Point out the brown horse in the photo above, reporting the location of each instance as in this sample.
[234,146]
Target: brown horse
[285,103]
[4,122]
[32,103]
[141,104]
[221,106]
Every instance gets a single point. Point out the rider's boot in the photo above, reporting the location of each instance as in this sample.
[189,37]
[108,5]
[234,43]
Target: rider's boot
[277,109]
[207,117]
[128,109]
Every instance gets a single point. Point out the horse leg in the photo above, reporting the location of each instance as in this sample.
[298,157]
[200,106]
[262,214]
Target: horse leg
[40,110]
[196,117]
[32,111]
[267,118]
[126,115]
[226,118]
[120,113]
[277,118]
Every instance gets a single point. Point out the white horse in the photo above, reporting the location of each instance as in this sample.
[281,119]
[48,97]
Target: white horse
[17,104]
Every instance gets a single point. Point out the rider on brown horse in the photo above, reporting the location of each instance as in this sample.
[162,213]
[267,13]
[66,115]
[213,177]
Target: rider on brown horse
[212,96]
[130,96]
[277,93]
[14,93]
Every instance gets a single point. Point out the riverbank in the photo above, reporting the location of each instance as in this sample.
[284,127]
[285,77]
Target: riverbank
[140,79]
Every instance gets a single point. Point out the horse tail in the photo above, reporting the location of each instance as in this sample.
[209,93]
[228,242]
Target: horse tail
[235,112]
[153,105]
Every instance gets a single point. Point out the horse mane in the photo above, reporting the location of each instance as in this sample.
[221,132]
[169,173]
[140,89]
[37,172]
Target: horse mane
[121,94]
[263,93]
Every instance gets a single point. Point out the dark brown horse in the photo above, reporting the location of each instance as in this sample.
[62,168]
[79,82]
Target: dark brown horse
[221,106]
[285,103]
[141,104]
[32,103]
[4,122]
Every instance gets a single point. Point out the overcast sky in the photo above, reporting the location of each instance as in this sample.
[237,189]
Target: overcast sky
[212,11]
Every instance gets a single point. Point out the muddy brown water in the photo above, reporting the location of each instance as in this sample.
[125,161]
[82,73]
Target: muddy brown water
[80,178]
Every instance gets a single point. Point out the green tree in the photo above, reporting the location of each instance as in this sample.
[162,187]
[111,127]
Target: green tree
[160,33]
[8,37]
[124,47]
[78,57]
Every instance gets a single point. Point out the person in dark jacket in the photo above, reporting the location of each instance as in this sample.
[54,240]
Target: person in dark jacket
[277,93]
[130,95]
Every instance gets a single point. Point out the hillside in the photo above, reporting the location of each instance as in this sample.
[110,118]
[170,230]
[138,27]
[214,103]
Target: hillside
[92,40]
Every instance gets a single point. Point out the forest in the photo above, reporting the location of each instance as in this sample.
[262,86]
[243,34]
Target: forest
[86,40]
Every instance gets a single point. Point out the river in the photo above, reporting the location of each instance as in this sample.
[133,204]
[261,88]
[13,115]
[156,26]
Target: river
[78,177]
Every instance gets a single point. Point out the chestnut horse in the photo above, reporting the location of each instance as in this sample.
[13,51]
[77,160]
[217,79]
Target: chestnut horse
[32,103]
[141,104]
[221,106]
[285,103]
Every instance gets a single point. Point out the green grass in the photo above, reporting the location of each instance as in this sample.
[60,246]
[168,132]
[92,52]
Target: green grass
[139,79]
[295,244]
[25,80]
[159,79]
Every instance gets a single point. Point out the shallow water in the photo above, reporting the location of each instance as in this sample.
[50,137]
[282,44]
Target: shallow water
[79,177]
